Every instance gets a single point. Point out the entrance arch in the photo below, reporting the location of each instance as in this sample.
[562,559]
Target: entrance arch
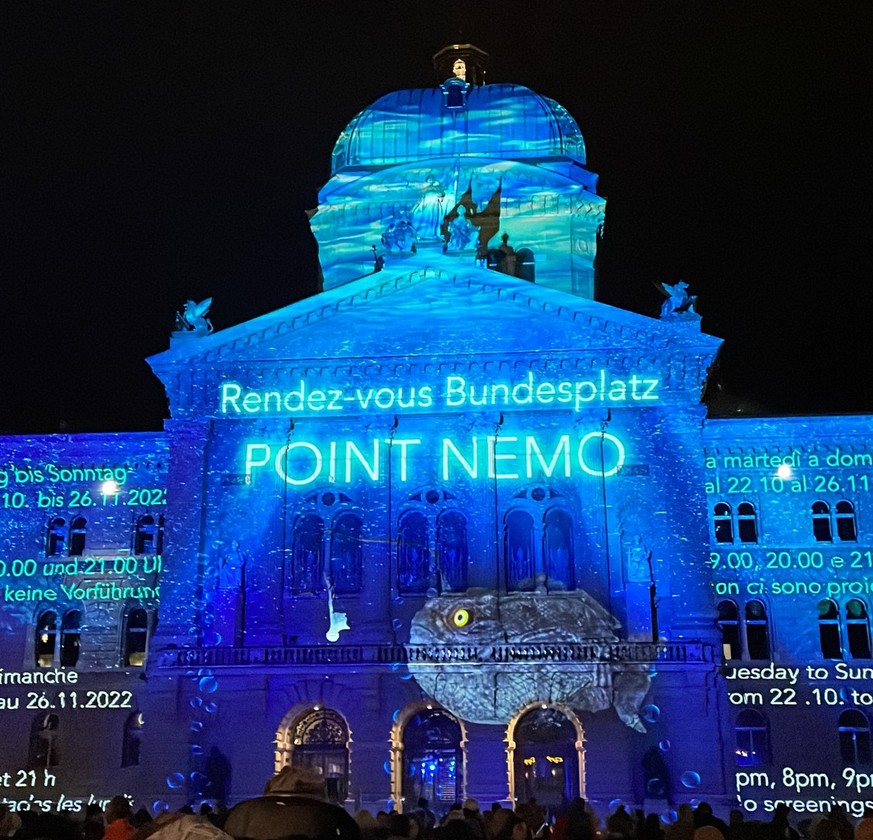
[545,754]
[318,738]
[428,757]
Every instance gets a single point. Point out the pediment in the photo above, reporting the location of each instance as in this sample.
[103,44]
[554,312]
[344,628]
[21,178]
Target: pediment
[433,312]
[433,322]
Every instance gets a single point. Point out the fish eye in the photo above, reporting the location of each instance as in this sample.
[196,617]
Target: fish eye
[461,617]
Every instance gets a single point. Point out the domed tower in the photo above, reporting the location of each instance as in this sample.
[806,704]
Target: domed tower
[488,176]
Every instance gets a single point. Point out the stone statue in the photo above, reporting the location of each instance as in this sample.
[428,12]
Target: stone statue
[378,261]
[678,300]
[461,231]
[192,319]
[399,235]
[429,210]
[459,69]
[639,562]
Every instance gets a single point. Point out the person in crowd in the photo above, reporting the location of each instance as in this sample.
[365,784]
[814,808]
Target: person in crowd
[521,830]
[780,829]
[707,832]
[532,813]
[143,818]
[10,822]
[474,819]
[455,812]
[844,824]
[620,824]
[864,829]
[118,814]
[426,818]
[576,823]
[683,828]
[294,802]
[499,822]
[737,824]
[652,828]
[703,816]
[454,825]
[639,818]
[367,823]
[95,822]
[826,829]
[401,827]
[383,824]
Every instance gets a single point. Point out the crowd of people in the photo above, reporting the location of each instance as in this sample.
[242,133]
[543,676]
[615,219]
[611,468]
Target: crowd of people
[293,808]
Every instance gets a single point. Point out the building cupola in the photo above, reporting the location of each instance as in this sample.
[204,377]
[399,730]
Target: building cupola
[461,61]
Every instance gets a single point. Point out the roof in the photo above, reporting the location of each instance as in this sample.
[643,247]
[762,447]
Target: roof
[502,121]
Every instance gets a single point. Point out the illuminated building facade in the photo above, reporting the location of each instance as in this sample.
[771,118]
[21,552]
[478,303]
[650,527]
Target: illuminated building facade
[448,528]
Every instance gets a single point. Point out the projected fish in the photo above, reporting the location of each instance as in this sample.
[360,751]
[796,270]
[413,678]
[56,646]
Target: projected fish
[485,657]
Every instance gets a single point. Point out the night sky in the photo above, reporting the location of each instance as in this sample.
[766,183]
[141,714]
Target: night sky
[154,153]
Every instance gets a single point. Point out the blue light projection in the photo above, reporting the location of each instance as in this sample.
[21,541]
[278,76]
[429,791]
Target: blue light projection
[476,516]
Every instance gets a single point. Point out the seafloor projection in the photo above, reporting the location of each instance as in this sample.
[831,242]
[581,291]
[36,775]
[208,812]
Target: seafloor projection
[449,528]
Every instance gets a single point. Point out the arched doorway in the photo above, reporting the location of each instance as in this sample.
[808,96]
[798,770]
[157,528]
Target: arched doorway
[317,738]
[546,755]
[428,751]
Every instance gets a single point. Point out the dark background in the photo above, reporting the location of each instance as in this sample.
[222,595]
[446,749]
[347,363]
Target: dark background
[154,153]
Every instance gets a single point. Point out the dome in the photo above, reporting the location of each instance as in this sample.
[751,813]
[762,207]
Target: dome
[501,121]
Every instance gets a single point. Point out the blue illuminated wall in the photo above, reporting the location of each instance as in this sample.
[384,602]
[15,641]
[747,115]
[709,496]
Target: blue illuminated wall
[789,502]
[450,491]
[80,582]
[562,462]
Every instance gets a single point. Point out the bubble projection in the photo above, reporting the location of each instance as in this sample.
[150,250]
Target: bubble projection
[474,519]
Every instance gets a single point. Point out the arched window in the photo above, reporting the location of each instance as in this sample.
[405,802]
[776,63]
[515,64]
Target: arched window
[821,522]
[44,741]
[70,638]
[519,550]
[326,545]
[857,629]
[56,538]
[433,762]
[321,742]
[558,550]
[413,553]
[729,624]
[132,744]
[451,550]
[829,629]
[747,522]
[854,731]
[136,636]
[753,739]
[757,631]
[545,759]
[46,639]
[78,533]
[307,554]
[346,554]
[149,535]
[432,554]
[847,527]
[724,526]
